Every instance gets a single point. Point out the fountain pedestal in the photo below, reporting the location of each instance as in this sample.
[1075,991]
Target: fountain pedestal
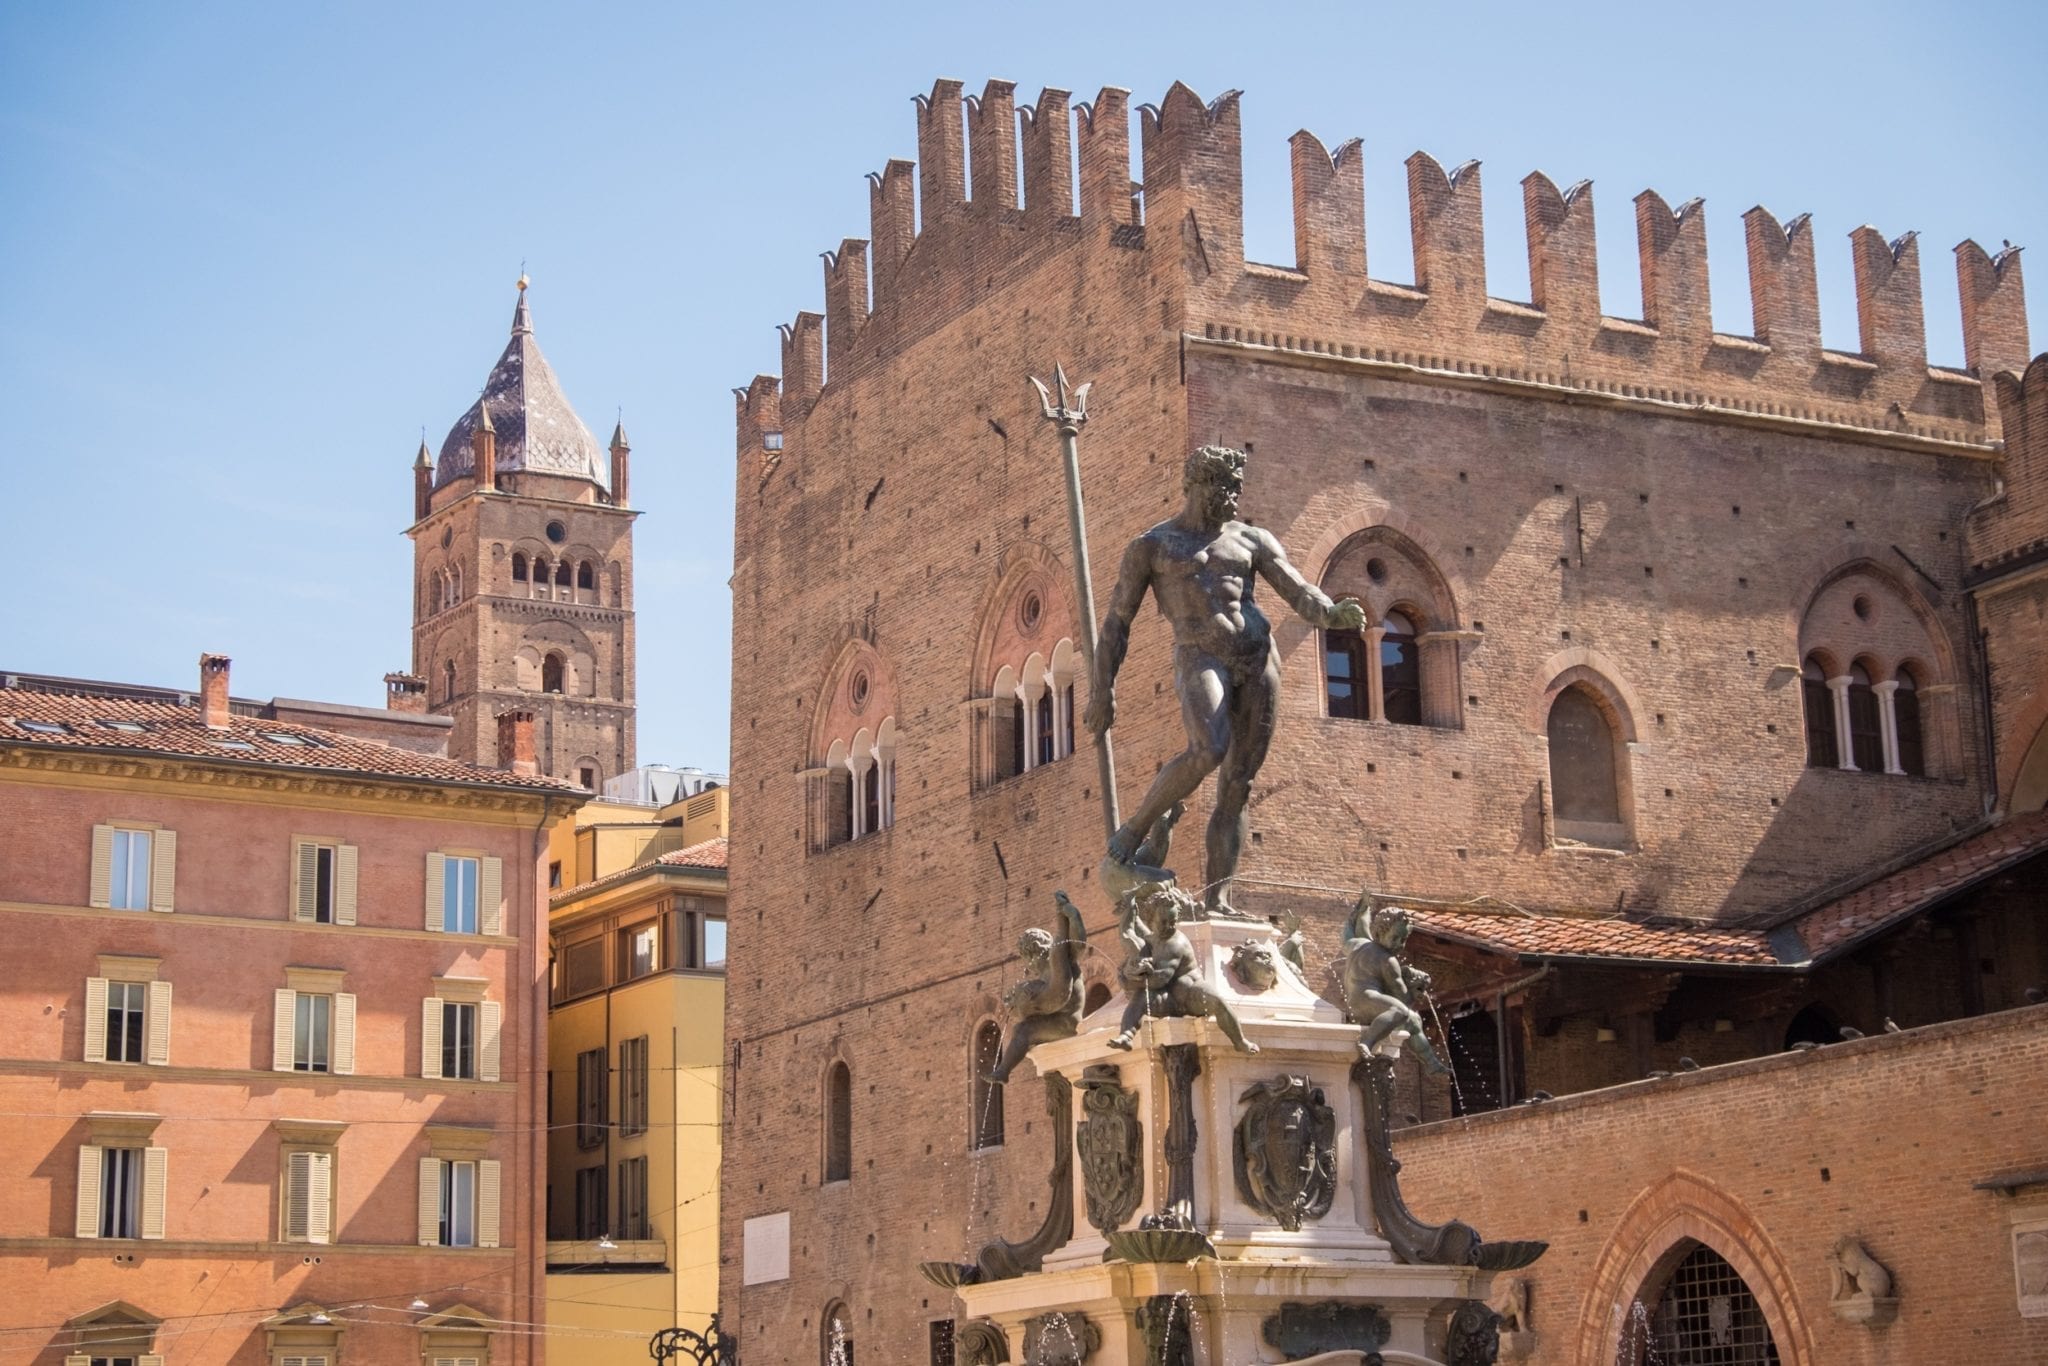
[1252,1171]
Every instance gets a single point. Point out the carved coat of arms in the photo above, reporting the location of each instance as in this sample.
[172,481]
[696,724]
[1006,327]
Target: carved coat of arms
[1286,1151]
[1109,1140]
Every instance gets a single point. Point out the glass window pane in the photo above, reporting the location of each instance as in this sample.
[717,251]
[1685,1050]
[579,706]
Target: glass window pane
[714,942]
[323,885]
[461,1200]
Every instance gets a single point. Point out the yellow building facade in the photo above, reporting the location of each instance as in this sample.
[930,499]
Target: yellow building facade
[635,1098]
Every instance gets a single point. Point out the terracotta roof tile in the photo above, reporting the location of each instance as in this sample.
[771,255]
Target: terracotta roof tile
[1830,928]
[704,854]
[1548,936]
[47,720]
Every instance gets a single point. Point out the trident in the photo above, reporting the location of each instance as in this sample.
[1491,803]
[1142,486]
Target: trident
[1068,413]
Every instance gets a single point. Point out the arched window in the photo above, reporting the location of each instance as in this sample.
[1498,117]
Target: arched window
[518,567]
[1585,791]
[585,578]
[1098,997]
[1813,1024]
[562,574]
[1866,728]
[448,686]
[540,574]
[871,798]
[838,1123]
[1707,1314]
[1344,674]
[1043,731]
[551,673]
[1819,705]
[458,584]
[1400,672]
[985,1125]
[1906,725]
[835,1336]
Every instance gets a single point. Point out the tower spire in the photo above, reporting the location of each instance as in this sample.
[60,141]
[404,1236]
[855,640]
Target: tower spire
[521,320]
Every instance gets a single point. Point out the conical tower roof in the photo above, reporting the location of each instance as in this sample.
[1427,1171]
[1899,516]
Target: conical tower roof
[536,428]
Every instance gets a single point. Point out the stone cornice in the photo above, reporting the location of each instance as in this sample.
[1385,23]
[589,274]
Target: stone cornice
[246,1077]
[252,922]
[225,780]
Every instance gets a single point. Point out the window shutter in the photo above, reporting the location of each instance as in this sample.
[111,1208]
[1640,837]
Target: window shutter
[430,1202]
[102,893]
[345,884]
[95,1019]
[490,909]
[305,881]
[489,1016]
[78,1361]
[342,1059]
[154,1163]
[319,1197]
[487,1203]
[88,1222]
[163,869]
[149,1359]
[157,1048]
[436,880]
[430,1037]
[298,1194]
[284,1030]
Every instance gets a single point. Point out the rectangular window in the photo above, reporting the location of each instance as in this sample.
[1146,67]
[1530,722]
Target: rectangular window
[458,1204]
[633,1198]
[323,885]
[120,1192]
[633,1085]
[129,889]
[459,894]
[590,1203]
[555,873]
[590,1098]
[127,1011]
[583,968]
[640,950]
[312,1028]
[308,1196]
[713,957]
[458,1039]
[942,1342]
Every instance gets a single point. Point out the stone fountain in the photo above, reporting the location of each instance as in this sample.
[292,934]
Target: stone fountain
[1238,1199]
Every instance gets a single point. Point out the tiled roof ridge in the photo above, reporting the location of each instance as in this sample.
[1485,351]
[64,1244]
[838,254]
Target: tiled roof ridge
[175,731]
[674,858]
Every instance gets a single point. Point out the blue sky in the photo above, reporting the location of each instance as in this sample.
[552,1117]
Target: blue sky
[251,250]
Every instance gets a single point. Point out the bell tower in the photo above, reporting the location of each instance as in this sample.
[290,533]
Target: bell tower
[523,573]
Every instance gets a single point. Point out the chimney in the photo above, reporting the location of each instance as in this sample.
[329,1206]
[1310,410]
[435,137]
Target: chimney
[405,692]
[515,743]
[620,451]
[213,690]
[483,444]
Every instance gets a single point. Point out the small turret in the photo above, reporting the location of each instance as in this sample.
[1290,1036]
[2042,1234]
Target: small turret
[483,442]
[422,483]
[621,450]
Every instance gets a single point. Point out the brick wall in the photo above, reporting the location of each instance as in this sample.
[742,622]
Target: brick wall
[1770,1161]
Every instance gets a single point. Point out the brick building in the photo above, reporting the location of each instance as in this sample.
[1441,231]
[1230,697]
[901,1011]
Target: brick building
[270,1037]
[1701,686]
[523,572]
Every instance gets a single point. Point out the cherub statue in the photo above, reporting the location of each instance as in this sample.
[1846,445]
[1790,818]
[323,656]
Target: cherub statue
[1048,1005]
[1159,973]
[1378,988]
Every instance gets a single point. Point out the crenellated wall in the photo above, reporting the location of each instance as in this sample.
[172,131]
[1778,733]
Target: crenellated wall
[1186,212]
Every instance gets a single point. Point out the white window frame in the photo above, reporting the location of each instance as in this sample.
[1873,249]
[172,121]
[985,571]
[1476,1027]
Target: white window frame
[476,882]
[148,854]
[128,974]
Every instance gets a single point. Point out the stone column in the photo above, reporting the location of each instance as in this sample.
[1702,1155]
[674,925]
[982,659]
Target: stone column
[1376,705]
[1845,748]
[1888,723]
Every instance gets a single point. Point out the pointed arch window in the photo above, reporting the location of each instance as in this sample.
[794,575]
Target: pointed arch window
[835,1336]
[839,1123]
[1818,703]
[1707,1314]
[1585,770]
[1400,671]
[985,1125]
[1866,727]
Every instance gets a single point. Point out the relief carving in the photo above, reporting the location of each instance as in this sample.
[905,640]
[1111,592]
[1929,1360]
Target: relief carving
[1109,1141]
[1286,1153]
